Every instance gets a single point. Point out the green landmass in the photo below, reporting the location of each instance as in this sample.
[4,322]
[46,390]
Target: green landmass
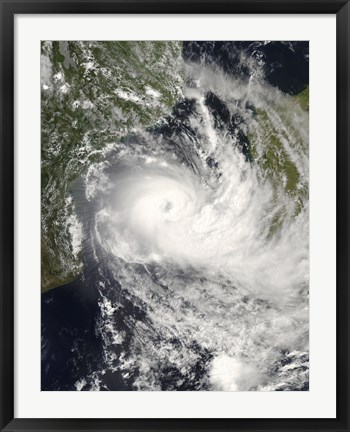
[303,99]
[93,93]
[268,150]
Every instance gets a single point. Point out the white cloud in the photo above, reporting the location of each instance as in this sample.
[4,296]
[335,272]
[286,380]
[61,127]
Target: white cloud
[230,374]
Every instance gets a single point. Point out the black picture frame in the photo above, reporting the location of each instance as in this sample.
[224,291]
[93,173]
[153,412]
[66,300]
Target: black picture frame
[8,10]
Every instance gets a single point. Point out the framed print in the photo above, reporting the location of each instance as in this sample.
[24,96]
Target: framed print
[174,215]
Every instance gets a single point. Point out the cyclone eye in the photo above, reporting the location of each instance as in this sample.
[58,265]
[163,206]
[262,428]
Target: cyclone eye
[168,206]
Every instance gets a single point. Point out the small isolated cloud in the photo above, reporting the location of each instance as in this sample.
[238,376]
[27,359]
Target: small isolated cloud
[232,374]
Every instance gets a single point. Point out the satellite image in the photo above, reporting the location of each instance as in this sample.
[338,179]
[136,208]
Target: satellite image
[175,216]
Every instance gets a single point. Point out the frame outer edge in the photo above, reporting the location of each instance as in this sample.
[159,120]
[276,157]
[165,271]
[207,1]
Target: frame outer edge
[342,218]
[176,6]
[7,421]
[7,218]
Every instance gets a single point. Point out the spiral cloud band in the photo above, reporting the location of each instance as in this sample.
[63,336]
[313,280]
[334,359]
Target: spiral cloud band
[209,243]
